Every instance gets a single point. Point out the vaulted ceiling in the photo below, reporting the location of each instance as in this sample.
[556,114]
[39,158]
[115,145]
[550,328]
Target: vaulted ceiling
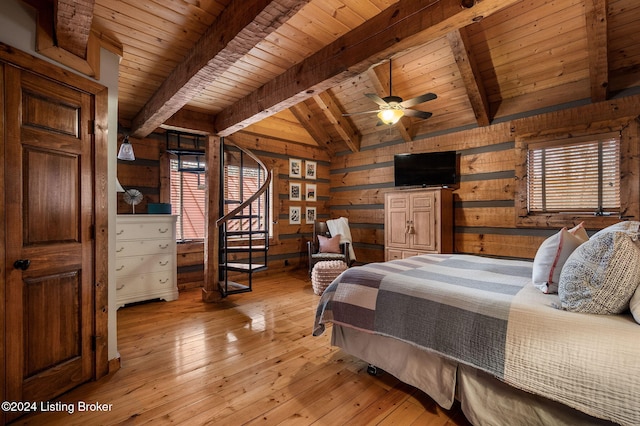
[290,69]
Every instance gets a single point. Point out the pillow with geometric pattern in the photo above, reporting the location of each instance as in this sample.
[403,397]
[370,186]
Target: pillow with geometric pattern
[601,275]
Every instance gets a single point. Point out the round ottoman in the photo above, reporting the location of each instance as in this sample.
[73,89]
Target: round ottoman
[324,272]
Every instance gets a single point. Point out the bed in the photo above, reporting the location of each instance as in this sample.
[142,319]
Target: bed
[476,329]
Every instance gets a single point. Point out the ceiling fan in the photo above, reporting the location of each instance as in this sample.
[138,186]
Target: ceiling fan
[393,108]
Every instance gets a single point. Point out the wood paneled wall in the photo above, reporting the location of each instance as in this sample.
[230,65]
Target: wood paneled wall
[353,185]
[485,216]
[288,248]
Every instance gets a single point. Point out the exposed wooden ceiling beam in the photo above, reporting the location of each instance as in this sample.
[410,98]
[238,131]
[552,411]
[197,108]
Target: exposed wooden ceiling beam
[86,58]
[237,30]
[459,42]
[304,115]
[596,17]
[73,24]
[397,28]
[332,111]
[379,77]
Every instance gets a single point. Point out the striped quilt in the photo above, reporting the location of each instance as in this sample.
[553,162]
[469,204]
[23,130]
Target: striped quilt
[486,313]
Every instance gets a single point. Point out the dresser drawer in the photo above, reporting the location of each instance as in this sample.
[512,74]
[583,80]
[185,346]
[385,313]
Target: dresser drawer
[145,285]
[144,230]
[131,265]
[143,247]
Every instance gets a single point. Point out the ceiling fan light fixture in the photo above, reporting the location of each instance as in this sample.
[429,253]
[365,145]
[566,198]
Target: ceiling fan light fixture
[390,116]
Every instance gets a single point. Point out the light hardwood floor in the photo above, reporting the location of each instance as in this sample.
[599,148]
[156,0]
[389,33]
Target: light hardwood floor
[250,359]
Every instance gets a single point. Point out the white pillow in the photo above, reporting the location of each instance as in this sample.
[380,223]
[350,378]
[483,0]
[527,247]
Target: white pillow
[550,257]
[634,305]
[601,276]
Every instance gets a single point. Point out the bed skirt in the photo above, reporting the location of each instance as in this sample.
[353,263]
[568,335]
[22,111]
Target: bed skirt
[485,400]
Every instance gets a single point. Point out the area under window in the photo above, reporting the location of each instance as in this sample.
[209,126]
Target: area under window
[575,176]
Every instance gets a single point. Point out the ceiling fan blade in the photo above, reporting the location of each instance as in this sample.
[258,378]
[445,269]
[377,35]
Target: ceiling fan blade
[377,99]
[418,114]
[418,100]
[361,112]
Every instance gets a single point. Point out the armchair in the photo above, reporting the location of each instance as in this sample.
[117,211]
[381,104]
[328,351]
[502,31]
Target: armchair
[321,230]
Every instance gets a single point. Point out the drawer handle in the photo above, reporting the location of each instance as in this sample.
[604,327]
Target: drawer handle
[163,231]
[120,288]
[120,232]
[120,249]
[163,281]
[120,268]
[165,263]
[163,246]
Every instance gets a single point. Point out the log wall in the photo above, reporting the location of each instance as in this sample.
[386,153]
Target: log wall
[485,215]
[353,185]
[287,248]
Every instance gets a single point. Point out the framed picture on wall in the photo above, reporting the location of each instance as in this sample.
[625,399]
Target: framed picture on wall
[310,217]
[295,191]
[295,168]
[310,169]
[310,192]
[294,215]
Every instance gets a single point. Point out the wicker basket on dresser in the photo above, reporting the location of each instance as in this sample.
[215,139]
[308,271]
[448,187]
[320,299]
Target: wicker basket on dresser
[145,258]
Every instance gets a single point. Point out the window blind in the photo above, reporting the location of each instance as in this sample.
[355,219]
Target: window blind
[187,202]
[581,175]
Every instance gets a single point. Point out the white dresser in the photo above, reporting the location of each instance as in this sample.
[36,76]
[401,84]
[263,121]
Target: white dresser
[145,258]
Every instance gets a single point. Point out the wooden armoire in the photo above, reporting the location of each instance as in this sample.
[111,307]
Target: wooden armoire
[418,221]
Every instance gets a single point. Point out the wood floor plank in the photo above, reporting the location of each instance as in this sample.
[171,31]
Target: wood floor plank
[250,359]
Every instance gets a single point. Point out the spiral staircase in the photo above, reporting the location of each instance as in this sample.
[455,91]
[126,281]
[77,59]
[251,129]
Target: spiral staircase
[244,222]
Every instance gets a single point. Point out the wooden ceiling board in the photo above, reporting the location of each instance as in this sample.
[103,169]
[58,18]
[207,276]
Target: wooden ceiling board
[532,54]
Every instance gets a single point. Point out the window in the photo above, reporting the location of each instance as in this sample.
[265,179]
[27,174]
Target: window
[590,178]
[241,182]
[575,176]
[188,196]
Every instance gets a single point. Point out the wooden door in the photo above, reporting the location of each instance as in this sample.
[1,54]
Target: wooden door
[49,193]
[424,221]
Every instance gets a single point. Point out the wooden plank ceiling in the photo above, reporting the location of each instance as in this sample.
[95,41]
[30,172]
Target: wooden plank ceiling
[289,69]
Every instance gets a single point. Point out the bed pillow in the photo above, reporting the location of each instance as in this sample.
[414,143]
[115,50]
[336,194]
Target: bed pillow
[634,305]
[601,276]
[580,232]
[550,257]
[630,227]
[329,245]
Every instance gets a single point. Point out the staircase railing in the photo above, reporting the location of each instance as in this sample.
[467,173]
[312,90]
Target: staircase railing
[250,265]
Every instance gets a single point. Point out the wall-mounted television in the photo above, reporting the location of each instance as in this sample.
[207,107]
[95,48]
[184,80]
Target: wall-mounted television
[426,169]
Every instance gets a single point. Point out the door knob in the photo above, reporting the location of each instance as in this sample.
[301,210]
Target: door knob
[22,264]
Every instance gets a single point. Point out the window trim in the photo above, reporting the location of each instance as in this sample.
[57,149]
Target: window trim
[629,186]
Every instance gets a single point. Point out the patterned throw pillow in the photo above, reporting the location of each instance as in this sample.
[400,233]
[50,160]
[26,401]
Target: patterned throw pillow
[329,245]
[550,257]
[601,275]
[630,227]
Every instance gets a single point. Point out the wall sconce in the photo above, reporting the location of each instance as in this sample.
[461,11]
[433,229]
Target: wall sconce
[119,187]
[126,150]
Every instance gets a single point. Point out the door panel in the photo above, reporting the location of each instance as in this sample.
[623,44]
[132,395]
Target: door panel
[49,211]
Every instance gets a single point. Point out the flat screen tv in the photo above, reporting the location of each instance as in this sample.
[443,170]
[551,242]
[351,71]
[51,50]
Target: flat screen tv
[426,169]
